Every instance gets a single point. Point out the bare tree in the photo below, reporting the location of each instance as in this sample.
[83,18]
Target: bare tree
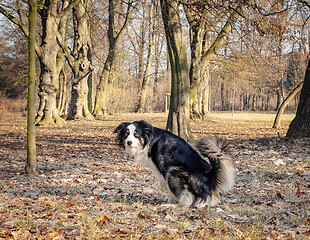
[300,126]
[31,164]
[114,37]
[48,54]
[79,59]
[201,20]
[151,45]
[179,112]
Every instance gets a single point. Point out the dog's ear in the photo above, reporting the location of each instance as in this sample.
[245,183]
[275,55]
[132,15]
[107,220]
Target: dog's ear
[120,133]
[148,130]
[120,127]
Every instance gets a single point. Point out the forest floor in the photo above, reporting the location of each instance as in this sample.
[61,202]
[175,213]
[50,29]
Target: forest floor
[88,188]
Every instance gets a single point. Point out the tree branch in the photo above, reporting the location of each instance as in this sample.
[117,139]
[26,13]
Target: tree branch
[66,50]
[16,21]
[128,13]
[68,8]
[214,48]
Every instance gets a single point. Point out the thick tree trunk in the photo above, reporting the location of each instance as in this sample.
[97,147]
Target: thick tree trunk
[300,126]
[47,53]
[100,109]
[81,64]
[48,112]
[196,70]
[31,164]
[179,111]
[197,22]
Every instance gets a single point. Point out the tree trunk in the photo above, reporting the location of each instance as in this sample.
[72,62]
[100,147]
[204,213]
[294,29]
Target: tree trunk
[197,33]
[224,96]
[300,126]
[47,53]
[100,109]
[283,105]
[197,18]
[141,44]
[48,113]
[205,92]
[146,74]
[179,112]
[62,92]
[80,63]
[31,164]
[280,94]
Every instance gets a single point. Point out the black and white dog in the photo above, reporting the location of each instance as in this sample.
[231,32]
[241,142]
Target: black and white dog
[193,175]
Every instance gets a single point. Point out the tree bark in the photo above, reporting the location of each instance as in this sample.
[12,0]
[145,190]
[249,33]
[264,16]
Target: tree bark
[283,105]
[80,63]
[300,126]
[48,113]
[49,57]
[197,21]
[179,112]
[31,164]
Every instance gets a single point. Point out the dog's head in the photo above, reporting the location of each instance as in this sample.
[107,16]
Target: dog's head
[134,136]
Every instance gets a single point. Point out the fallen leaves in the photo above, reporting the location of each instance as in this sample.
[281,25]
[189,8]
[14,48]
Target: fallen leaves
[89,189]
[103,220]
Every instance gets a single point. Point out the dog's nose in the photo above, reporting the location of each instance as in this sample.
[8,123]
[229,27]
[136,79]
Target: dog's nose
[129,143]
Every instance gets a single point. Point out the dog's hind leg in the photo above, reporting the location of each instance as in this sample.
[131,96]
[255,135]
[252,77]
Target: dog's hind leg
[178,190]
[186,198]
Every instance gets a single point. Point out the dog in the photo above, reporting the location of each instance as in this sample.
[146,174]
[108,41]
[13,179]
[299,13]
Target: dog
[194,175]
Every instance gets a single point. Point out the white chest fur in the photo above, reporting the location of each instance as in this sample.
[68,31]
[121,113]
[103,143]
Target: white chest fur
[143,160]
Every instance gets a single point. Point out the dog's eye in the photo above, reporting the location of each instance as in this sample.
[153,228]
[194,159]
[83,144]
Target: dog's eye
[136,134]
[127,133]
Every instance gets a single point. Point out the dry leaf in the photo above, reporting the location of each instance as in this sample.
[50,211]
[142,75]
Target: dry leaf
[54,233]
[102,220]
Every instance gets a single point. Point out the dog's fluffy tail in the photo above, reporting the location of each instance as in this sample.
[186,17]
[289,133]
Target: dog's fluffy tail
[222,166]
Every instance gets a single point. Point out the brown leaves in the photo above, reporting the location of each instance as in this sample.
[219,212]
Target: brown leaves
[89,189]
[101,221]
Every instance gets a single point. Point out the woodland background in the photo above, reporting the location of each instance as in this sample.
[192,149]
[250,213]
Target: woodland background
[263,57]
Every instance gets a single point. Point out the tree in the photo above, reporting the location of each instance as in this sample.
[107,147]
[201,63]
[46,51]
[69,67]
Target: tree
[283,105]
[50,61]
[48,53]
[31,164]
[179,112]
[114,37]
[151,46]
[79,59]
[200,21]
[300,126]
